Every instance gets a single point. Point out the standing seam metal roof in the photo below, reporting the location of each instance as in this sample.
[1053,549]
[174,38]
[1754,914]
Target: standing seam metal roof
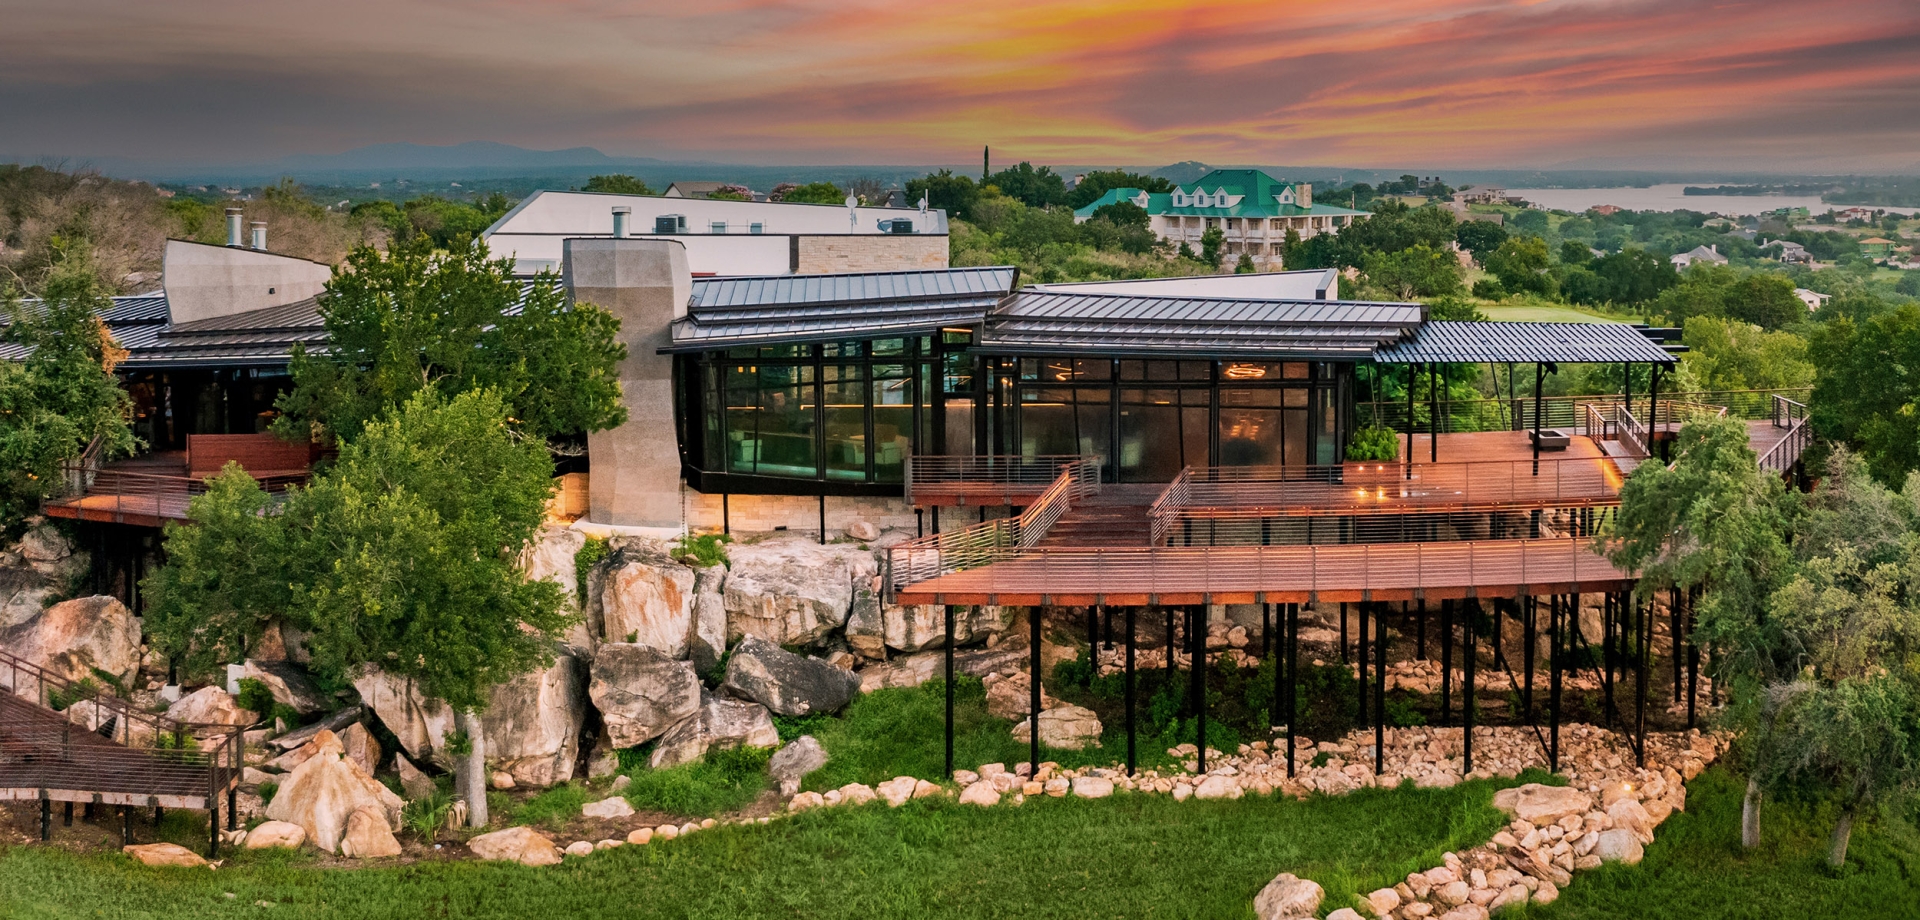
[1443,342]
[1041,321]
[726,312]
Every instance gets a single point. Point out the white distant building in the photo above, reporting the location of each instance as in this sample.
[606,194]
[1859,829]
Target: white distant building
[727,237]
[1710,254]
[1813,299]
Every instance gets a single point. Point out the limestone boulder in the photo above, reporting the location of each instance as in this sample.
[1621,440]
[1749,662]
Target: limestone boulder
[163,854]
[1619,845]
[1066,726]
[210,706]
[1539,805]
[708,642]
[368,835]
[323,793]
[1086,787]
[23,594]
[613,807]
[720,723]
[289,684]
[641,692]
[1288,897]
[793,591]
[645,598]
[791,764]
[551,558]
[785,683]
[1217,787]
[361,748]
[523,845]
[276,835]
[418,785]
[531,725]
[1013,698]
[913,629]
[866,629]
[72,638]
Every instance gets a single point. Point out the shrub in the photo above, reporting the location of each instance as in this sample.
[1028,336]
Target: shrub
[701,551]
[589,555]
[1374,442]
[426,816]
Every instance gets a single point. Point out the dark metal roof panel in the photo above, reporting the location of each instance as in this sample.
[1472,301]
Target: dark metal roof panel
[1039,322]
[760,291]
[1566,343]
[301,314]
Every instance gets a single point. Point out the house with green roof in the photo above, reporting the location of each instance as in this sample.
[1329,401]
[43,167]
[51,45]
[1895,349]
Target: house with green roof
[1255,211]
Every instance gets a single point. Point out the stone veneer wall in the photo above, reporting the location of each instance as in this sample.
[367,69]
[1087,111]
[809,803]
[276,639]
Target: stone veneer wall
[799,513]
[869,253]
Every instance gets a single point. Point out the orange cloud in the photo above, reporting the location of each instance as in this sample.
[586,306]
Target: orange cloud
[1439,82]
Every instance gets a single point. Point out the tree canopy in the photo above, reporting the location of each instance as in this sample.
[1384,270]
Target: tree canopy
[63,396]
[412,317]
[815,193]
[1100,181]
[618,184]
[1861,394]
[1035,188]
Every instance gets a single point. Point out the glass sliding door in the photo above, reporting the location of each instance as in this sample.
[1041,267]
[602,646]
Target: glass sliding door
[1162,431]
[1249,427]
[770,420]
[844,398]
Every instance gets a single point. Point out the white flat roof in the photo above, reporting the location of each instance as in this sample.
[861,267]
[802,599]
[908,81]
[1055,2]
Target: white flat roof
[1316,284]
[531,233]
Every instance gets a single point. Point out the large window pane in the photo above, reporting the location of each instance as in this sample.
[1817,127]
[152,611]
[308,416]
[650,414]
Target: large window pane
[845,390]
[1161,431]
[892,420]
[770,424]
[1250,427]
[1065,420]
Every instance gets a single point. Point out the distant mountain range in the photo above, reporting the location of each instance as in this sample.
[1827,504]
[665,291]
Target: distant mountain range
[424,165]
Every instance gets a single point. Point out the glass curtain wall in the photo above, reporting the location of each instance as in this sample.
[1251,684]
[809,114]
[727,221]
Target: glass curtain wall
[1147,420]
[839,412]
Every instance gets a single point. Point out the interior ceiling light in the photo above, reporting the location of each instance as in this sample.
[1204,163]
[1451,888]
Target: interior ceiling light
[1243,372]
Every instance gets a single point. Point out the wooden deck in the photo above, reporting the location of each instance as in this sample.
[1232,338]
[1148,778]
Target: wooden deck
[1276,574]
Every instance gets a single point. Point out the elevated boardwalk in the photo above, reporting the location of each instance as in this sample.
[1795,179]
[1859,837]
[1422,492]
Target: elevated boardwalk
[102,751]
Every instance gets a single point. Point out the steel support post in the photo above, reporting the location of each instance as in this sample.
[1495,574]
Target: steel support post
[1380,689]
[1293,676]
[1529,630]
[1360,654]
[1466,695]
[1673,638]
[1170,646]
[1130,729]
[1555,643]
[1446,661]
[1642,618]
[46,817]
[66,820]
[949,670]
[1197,639]
[1033,696]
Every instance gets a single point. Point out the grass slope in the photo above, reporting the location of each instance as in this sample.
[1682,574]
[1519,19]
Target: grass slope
[1126,857]
[1696,869]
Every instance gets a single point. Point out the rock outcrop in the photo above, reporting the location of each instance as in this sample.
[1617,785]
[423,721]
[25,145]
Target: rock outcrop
[720,723]
[793,591]
[163,854]
[641,692]
[786,683]
[322,794]
[531,725]
[290,686]
[210,706]
[645,598]
[72,638]
[708,644]
[368,836]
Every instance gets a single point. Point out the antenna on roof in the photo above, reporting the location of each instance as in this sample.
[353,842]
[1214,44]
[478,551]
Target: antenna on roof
[923,205]
[853,215]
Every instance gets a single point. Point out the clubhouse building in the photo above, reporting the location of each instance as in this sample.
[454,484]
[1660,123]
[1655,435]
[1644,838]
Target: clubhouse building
[1253,209]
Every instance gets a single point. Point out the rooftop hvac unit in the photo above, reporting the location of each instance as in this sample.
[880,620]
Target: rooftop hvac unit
[670,223]
[897,225]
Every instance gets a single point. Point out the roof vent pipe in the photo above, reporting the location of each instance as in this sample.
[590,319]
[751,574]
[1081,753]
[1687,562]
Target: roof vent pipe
[233,227]
[260,235]
[620,221]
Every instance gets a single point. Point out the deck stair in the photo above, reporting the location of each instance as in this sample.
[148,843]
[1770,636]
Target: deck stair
[1114,516]
[72,743]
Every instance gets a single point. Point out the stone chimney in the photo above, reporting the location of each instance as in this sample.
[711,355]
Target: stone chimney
[1303,194]
[646,285]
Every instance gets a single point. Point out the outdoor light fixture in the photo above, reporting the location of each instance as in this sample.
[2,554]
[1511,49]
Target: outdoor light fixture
[1243,372]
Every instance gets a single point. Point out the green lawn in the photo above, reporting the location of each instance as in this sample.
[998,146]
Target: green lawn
[1696,869]
[1129,856]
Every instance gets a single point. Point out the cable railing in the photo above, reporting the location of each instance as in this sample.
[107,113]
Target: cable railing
[986,479]
[109,494]
[1166,509]
[996,540]
[1260,527]
[1517,413]
[1786,453]
[1632,433]
[72,741]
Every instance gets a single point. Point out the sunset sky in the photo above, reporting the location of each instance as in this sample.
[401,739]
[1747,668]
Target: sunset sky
[1768,84]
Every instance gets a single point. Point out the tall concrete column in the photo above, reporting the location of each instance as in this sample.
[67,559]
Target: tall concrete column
[646,285]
